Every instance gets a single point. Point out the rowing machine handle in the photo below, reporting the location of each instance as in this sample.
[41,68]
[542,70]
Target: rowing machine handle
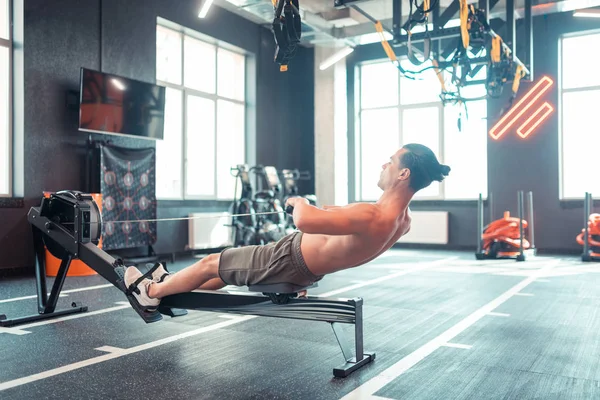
[289,210]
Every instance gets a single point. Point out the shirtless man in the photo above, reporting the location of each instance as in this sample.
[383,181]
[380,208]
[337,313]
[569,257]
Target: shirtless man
[328,240]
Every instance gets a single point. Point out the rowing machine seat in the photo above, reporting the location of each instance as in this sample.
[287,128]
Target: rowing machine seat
[280,288]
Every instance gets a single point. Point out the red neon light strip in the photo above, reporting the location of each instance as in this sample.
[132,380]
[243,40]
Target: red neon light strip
[546,109]
[547,82]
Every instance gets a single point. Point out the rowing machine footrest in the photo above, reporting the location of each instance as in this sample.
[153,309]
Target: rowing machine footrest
[172,312]
[280,288]
[147,315]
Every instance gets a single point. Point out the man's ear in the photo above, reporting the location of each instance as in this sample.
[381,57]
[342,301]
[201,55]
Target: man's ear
[404,174]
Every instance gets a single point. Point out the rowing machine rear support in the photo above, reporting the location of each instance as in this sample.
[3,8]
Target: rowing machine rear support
[69,235]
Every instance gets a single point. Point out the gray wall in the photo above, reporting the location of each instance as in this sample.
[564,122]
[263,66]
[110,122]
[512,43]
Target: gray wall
[514,164]
[116,36]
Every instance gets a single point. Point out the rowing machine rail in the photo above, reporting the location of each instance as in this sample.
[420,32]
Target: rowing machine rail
[65,224]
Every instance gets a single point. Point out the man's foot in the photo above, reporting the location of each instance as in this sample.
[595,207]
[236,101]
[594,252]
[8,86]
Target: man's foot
[137,285]
[160,274]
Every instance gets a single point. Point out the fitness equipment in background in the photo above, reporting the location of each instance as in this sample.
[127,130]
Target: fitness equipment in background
[290,179]
[257,227]
[271,227]
[244,226]
[589,237]
[505,237]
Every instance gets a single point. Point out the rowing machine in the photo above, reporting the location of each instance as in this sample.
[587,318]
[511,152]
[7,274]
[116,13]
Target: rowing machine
[69,225]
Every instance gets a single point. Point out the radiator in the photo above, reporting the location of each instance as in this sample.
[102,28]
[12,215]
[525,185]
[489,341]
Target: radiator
[209,233]
[428,227]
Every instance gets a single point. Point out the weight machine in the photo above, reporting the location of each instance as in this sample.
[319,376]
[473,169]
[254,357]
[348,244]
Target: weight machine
[69,225]
[505,237]
[290,189]
[262,218]
[589,237]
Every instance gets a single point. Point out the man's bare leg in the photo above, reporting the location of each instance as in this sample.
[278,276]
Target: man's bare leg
[213,284]
[188,279]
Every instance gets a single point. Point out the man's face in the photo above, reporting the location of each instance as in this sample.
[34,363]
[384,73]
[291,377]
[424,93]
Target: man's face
[391,170]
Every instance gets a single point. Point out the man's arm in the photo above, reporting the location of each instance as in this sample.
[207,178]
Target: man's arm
[338,221]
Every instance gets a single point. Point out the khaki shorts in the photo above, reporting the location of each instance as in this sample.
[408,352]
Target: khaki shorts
[279,262]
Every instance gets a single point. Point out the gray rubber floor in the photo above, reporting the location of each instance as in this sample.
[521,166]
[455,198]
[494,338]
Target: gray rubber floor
[443,326]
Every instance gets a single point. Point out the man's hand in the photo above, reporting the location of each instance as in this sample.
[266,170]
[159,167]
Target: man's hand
[293,201]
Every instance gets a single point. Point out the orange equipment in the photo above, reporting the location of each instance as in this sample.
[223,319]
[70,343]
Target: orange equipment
[589,237]
[593,234]
[507,237]
[77,267]
[502,238]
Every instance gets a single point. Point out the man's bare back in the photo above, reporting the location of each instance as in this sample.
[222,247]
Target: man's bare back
[380,228]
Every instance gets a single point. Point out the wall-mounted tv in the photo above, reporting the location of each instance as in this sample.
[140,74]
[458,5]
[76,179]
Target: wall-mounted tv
[115,105]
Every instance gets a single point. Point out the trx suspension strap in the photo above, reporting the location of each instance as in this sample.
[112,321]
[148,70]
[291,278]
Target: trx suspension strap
[464,23]
[436,68]
[499,69]
[426,43]
[517,80]
[287,30]
[388,49]
[496,47]
[519,73]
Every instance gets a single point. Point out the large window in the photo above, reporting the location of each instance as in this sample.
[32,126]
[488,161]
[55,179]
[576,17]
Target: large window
[579,133]
[205,129]
[394,110]
[5,100]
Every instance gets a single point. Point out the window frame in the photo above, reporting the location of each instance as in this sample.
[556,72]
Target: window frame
[357,158]
[8,43]
[215,97]
[561,119]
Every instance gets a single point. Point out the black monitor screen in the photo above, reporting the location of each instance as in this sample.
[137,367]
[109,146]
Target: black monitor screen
[115,105]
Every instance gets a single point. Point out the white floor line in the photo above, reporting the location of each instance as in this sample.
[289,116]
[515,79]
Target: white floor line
[543,280]
[369,388]
[63,293]
[229,316]
[419,267]
[85,289]
[458,346]
[498,314]
[27,298]
[20,328]
[110,356]
[111,349]
[524,294]
[13,331]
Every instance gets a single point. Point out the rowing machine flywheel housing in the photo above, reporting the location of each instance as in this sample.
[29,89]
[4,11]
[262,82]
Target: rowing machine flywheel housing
[74,212]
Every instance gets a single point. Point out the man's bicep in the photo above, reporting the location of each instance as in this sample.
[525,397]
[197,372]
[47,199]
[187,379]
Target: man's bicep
[354,220]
